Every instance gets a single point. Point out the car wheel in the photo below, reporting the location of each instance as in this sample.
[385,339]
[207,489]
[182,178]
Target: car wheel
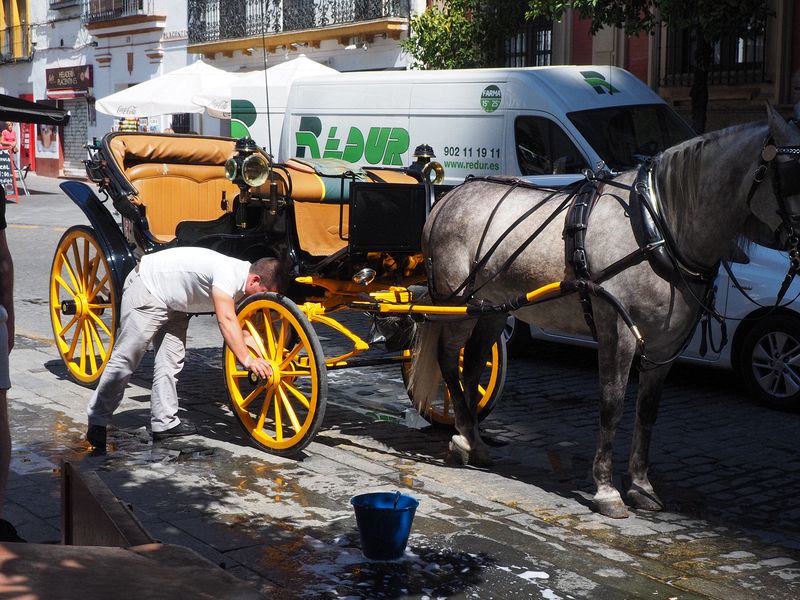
[517,336]
[770,361]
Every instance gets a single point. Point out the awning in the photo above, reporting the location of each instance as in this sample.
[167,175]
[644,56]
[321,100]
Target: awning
[66,94]
[23,111]
[167,94]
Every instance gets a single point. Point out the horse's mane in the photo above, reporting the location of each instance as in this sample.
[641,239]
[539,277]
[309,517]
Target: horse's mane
[680,169]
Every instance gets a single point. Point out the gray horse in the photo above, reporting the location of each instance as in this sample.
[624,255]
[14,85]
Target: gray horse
[707,198]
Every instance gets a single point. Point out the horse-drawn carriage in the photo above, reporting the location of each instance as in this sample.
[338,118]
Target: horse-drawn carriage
[350,238]
[354,238]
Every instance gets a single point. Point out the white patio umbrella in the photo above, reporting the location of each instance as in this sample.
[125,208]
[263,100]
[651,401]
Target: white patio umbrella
[167,94]
[279,78]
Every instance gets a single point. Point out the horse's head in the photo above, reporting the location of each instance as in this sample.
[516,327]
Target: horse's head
[774,196]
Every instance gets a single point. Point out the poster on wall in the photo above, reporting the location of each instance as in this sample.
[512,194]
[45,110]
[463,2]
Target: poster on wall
[46,141]
[8,176]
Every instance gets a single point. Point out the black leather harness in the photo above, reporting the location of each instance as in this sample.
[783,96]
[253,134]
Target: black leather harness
[654,241]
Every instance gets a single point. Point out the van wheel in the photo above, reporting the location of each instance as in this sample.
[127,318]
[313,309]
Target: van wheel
[770,361]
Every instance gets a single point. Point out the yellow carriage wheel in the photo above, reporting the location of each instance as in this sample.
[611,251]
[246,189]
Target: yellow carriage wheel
[83,308]
[490,386]
[281,415]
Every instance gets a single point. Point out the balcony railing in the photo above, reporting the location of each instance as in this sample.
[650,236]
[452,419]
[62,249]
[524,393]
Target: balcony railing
[58,4]
[218,20]
[93,11]
[15,43]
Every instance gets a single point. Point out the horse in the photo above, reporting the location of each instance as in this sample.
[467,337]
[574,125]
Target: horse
[489,240]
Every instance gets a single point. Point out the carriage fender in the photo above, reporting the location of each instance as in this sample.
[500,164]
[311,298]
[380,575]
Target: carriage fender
[107,232]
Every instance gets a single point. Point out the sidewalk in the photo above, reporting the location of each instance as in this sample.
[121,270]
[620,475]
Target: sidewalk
[524,529]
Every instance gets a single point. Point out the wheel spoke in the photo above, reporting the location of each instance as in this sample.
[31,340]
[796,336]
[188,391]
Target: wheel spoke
[291,356]
[75,284]
[251,396]
[101,347]
[297,394]
[82,361]
[269,329]
[295,373]
[278,420]
[289,410]
[87,334]
[76,336]
[78,266]
[96,289]
[99,321]
[69,324]
[60,281]
[256,336]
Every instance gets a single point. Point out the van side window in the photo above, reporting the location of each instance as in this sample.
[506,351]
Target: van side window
[544,149]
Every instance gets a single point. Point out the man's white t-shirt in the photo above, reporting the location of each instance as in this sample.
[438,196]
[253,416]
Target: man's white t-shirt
[182,278]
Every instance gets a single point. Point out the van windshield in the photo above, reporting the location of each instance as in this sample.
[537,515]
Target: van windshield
[624,136]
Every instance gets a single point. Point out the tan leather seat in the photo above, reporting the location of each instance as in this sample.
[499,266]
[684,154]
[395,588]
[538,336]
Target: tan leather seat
[176,178]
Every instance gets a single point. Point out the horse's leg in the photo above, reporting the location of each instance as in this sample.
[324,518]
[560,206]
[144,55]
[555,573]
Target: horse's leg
[641,494]
[615,355]
[477,351]
[466,447]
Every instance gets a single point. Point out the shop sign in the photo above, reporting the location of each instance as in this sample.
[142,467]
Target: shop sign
[69,78]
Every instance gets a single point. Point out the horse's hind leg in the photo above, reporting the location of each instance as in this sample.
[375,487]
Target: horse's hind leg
[615,355]
[477,352]
[641,494]
[467,447]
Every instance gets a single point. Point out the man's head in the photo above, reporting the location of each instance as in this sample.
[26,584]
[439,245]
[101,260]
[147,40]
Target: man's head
[266,275]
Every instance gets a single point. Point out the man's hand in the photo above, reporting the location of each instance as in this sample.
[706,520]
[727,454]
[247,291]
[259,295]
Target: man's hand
[234,337]
[258,366]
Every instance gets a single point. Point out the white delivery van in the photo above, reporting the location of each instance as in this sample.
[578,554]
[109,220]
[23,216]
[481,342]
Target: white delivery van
[542,121]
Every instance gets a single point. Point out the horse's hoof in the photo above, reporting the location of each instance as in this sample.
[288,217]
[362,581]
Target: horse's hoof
[614,508]
[644,499]
[458,454]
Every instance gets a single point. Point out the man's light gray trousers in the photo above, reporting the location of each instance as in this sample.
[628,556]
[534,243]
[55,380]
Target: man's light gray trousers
[143,319]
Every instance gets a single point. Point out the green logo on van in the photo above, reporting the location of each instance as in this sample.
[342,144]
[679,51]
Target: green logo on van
[598,82]
[243,114]
[490,98]
[381,145]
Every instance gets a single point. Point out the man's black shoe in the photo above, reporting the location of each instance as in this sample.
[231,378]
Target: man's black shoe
[8,533]
[177,431]
[96,436]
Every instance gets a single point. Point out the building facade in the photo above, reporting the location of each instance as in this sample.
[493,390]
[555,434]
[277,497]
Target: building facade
[70,52]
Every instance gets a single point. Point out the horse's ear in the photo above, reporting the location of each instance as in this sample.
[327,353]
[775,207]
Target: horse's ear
[773,116]
[778,126]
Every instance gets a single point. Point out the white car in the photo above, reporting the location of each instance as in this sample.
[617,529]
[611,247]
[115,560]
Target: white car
[763,342]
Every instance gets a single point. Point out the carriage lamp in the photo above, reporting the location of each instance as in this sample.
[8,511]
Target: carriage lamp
[248,166]
[423,166]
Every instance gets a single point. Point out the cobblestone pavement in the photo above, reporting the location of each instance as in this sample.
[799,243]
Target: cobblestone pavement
[726,468]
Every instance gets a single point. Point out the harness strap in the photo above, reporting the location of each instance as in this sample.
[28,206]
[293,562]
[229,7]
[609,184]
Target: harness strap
[478,264]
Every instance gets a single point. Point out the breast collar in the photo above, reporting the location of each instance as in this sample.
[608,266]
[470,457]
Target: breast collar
[650,230]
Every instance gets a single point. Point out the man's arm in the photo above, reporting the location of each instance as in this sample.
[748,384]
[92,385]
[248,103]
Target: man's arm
[7,285]
[232,333]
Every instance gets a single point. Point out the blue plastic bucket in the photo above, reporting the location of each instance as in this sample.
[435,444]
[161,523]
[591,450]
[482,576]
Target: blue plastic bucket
[384,522]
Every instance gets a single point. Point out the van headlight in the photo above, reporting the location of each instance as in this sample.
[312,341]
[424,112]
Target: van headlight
[255,170]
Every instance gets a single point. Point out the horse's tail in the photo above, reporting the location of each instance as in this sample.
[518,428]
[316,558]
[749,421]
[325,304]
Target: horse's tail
[423,382]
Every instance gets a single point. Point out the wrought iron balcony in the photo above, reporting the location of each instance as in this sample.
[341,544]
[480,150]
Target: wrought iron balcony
[220,20]
[94,11]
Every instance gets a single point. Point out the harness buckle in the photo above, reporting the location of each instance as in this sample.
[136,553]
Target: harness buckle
[760,174]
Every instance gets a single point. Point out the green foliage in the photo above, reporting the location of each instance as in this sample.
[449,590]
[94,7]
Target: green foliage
[462,33]
[713,18]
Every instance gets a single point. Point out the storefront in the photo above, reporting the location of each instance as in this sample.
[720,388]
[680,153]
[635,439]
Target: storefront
[61,150]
